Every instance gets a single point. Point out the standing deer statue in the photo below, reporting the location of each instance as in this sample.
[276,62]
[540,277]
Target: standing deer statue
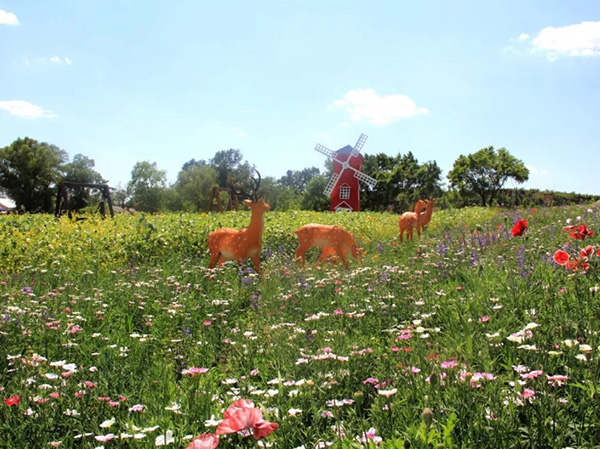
[425,217]
[411,220]
[230,244]
[334,241]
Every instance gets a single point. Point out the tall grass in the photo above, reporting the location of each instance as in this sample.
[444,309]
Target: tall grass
[446,342]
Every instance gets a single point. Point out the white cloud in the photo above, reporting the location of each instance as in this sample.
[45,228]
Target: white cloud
[24,109]
[8,18]
[582,39]
[365,104]
[51,60]
[536,171]
[58,60]
[523,37]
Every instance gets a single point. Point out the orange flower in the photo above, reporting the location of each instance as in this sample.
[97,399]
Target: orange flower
[519,227]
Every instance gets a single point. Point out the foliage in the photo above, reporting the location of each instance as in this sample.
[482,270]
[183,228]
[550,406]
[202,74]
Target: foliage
[401,182]
[28,172]
[485,172]
[81,169]
[194,186]
[147,186]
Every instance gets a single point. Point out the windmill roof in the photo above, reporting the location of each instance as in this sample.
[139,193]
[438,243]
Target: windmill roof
[346,150]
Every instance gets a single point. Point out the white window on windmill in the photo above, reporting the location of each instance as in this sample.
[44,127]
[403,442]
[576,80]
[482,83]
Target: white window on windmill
[344,192]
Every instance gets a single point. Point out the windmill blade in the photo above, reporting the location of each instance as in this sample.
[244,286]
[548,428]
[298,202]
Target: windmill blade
[371,182]
[359,144]
[326,151]
[332,182]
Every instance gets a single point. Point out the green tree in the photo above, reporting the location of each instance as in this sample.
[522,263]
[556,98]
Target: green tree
[29,171]
[280,197]
[485,172]
[193,185]
[401,182]
[299,179]
[81,169]
[314,198]
[230,163]
[147,186]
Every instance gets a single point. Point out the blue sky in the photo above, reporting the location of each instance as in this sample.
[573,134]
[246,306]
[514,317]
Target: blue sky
[126,81]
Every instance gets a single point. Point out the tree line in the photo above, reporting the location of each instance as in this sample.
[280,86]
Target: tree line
[30,172]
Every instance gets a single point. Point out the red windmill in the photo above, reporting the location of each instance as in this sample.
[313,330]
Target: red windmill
[344,185]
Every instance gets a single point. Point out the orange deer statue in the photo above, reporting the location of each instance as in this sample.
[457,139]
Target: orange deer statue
[334,241]
[425,217]
[411,220]
[230,244]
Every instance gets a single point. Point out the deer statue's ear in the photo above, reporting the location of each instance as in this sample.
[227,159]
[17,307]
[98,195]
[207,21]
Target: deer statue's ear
[247,202]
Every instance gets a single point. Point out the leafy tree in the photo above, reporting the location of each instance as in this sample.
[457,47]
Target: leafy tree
[401,182]
[485,172]
[313,198]
[147,186]
[194,184]
[81,169]
[299,179]
[280,197]
[28,172]
[230,163]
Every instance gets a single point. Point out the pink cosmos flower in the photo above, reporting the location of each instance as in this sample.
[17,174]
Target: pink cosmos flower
[557,380]
[194,370]
[532,374]
[204,441]
[527,393]
[448,364]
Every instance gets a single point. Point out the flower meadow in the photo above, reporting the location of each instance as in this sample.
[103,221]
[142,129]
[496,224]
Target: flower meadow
[482,333]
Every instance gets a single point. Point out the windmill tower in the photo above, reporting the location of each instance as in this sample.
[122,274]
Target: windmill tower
[344,185]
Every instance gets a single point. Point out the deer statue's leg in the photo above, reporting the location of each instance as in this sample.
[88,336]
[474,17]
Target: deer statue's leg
[214,258]
[256,262]
[342,255]
[301,254]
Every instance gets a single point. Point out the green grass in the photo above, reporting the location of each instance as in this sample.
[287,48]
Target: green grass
[127,305]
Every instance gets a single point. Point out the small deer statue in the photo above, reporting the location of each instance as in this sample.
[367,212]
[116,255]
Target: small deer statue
[425,217]
[334,240]
[411,220]
[231,244]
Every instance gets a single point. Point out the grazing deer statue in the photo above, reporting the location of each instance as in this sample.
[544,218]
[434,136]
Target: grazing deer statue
[334,240]
[425,217]
[411,220]
[231,244]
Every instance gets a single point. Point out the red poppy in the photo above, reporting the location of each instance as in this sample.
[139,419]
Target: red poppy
[13,400]
[519,227]
[561,257]
[579,232]
[587,252]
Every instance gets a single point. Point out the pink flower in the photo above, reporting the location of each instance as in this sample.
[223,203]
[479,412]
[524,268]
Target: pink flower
[338,312]
[204,441]
[194,370]
[248,420]
[484,319]
[557,380]
[532,374]
[137,408]
[527,393]
[448,364]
